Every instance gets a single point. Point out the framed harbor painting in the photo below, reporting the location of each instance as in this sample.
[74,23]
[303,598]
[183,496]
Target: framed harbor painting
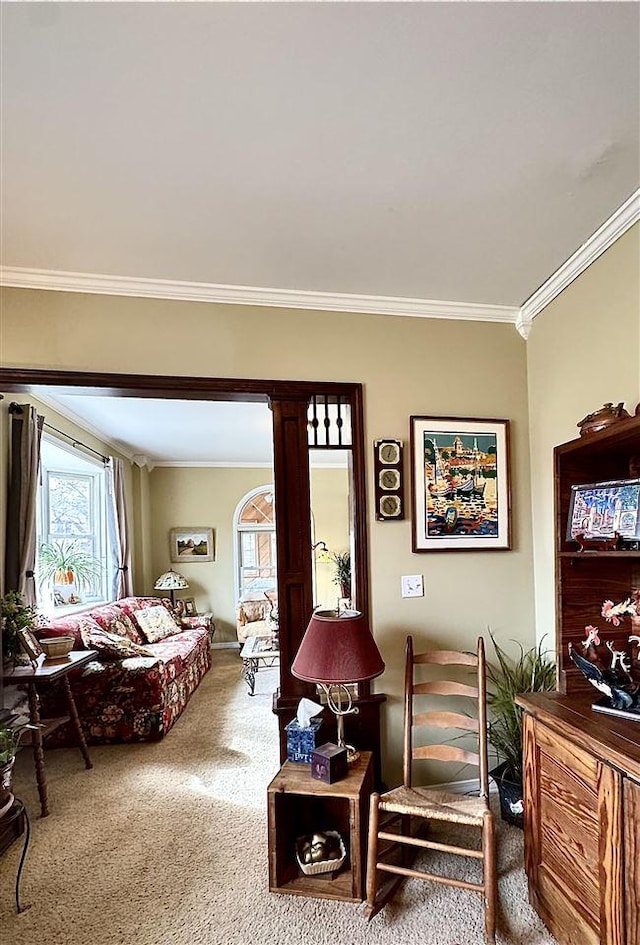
[460,481]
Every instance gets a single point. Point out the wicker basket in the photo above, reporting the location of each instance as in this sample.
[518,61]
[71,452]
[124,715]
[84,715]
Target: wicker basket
[323,866]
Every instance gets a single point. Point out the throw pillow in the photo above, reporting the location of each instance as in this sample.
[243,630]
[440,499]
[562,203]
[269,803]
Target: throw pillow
[156,623]
[251,610]
[110,646]
[113,619]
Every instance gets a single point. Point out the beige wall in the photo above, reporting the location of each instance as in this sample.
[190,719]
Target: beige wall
[583,351]
[209,497]
[407,365]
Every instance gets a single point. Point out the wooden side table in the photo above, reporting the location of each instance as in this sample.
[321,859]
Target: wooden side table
[298,805]
[50,671]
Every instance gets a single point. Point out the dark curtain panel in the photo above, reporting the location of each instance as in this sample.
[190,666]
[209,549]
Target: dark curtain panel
[20,555]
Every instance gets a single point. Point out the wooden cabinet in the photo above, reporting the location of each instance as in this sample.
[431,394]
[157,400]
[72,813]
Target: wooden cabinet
[299,805]
[632,859]
[584,579]
[582,820]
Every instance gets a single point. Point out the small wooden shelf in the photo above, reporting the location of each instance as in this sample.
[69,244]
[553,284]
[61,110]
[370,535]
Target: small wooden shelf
[47,726]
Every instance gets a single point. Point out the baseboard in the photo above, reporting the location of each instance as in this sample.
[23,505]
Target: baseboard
[225,646]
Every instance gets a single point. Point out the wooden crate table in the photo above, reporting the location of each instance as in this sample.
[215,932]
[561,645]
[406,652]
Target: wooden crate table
[299,805]
[50,671]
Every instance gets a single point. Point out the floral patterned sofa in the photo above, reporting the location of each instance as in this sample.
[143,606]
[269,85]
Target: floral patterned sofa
[149,662]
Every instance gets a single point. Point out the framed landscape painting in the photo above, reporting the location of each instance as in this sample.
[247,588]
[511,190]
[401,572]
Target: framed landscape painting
[192,544]
[461,493]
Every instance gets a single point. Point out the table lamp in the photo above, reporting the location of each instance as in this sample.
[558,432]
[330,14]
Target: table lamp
[171,581]
[338,649]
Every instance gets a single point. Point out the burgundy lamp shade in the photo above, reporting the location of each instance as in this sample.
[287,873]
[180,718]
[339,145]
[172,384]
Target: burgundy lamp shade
[337,649]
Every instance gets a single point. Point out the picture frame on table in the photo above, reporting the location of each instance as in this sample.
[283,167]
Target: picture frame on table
[460,484]
[30,644]
[190,609]
[191,544]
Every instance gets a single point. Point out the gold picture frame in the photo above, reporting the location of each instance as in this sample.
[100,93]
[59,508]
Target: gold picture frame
[192,544]
[30,644]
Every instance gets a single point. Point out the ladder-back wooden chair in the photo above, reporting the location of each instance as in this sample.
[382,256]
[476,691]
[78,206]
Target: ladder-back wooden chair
[408,807]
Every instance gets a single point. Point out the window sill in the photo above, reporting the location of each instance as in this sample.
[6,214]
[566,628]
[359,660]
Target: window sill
[69,609]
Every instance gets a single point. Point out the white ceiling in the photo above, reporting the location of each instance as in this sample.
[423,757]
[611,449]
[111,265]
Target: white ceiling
[430,151]
[455,151]
[155,432]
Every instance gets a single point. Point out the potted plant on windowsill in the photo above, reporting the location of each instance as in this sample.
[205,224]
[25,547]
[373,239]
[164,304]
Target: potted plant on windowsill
[65,564]
[531,671]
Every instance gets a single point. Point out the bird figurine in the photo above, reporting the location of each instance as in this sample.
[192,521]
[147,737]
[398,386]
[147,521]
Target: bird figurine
[590,646]
[619,689]
[634,640]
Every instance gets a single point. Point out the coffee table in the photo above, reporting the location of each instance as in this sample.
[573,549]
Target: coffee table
[257,651]
[47,672]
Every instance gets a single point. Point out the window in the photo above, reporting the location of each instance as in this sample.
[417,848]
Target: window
[74,561]
[255,531]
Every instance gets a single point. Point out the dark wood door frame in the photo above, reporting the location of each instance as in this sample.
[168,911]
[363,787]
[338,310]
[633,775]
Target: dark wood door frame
[289,400]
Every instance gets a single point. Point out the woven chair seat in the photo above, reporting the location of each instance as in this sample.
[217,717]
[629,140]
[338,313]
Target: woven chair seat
[435,805]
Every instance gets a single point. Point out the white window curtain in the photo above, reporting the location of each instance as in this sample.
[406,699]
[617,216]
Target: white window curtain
[118,529]
[20,552]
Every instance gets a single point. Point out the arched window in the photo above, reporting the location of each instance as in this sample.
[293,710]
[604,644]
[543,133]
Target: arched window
[255,532]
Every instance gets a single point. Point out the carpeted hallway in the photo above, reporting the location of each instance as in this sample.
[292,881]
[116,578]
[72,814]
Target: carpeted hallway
[166,844]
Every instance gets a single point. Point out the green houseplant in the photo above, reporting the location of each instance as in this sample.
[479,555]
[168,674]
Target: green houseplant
[9,741]
[342,572]
[16,615]
[531,671]
[66,562]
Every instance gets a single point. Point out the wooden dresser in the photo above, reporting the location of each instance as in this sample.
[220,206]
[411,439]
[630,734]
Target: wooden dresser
[582,820]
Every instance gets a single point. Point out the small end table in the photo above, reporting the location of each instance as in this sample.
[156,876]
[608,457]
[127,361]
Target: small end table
[47,672]
[258,650]
[299,804]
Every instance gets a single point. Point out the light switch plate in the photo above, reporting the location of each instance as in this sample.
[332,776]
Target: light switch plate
[412,585]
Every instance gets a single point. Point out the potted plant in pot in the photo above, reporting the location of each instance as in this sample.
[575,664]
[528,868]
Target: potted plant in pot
[531,671]
[10,735]
[15,615]
[66,565]
[342,575]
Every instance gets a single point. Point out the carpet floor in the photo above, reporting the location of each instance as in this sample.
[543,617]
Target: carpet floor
[166,844]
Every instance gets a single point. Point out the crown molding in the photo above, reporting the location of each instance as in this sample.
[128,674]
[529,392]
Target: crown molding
[520,316]
[611,230]
[64,411]
[95,284]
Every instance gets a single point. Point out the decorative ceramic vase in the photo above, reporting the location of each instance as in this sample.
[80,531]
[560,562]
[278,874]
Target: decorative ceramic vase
[511,796]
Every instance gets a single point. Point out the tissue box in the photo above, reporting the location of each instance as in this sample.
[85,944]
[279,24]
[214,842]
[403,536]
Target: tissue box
[329,763]
[301,741]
